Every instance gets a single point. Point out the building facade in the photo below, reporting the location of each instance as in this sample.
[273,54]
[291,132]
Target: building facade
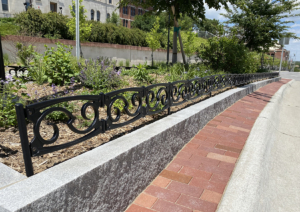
[128,13]
[276,52]
[97,10]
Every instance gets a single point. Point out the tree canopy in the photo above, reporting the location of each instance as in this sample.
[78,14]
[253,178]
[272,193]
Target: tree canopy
[209,25]
[262,22]
[194,9]
[145,22]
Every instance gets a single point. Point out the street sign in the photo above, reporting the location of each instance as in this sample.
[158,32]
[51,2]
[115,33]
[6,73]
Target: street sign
[284,41]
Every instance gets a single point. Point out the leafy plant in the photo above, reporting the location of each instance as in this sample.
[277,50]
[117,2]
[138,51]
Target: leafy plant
[127,63]
[227,54]
[153,37]
[121,63]
[85,28]
[25,53]
[114,19]
[58,64]
[141,74]
[35,23]
[37,70]
[6,60]
[8,100]
[99,74]
[188,43]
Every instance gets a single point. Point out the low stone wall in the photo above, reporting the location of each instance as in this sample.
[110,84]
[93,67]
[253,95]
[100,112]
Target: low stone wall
[109,177]
[135,54]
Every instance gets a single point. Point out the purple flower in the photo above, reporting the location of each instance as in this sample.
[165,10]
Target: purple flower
[28,95]
[72,81]
[9,78]
[66,91]
[118,73]
[54,89]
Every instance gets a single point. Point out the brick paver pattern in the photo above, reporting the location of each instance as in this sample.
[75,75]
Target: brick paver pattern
[196,178]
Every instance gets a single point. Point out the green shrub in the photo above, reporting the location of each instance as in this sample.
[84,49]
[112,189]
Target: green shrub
[37,70]
[6,60]
[141,74]
[99,74]
[111,33]
[50,25]
[58,64]
[127,63]
[121,63]
[8,100]
[8,26]
[25,53]
[228,54]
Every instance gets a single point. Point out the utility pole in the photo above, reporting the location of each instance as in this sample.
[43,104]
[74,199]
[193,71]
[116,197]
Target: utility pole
[77,30]
[281,55]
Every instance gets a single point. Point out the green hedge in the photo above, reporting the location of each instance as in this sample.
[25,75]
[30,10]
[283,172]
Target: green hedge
[111,33]
[54,25]
[50,25]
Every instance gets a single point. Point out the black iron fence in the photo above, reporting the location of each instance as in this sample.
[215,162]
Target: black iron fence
[147,101]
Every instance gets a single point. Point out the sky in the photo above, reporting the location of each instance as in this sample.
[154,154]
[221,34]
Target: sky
[294,45]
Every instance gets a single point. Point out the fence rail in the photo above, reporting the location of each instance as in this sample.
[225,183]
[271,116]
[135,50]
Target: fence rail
[147,101]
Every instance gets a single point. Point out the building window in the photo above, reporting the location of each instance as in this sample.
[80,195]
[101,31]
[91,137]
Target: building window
[125,10]
[5,5]
[132,11]
[53,7]
[110,1]
[98,16]
[108,16]
[125,23]
[140,11]
[92,15]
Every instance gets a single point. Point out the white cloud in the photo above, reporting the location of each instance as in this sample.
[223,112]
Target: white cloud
[295,25]
[215,14]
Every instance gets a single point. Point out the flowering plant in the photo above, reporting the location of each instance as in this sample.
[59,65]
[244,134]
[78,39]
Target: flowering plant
[99,73]
[8,100]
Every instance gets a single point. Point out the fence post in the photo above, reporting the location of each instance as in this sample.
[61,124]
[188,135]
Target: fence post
[2,70]
[169,98]
[24,139]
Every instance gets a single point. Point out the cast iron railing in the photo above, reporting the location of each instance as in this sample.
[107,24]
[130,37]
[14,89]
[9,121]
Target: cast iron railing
[147,101]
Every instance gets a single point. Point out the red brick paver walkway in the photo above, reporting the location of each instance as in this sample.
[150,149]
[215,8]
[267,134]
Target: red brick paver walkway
[196,178]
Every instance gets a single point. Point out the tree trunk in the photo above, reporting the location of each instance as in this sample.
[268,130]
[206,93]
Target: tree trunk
[152,58]
[175,41]
[174,56]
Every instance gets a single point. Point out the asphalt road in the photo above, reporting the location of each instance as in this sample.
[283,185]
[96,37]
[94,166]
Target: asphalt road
[290,75]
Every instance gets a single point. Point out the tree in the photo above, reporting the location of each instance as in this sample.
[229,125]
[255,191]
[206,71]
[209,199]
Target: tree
[143,22]
[262,22]
[85,28]
[194,9]
[189,44]
[115,19]
[153,37]
[209,25]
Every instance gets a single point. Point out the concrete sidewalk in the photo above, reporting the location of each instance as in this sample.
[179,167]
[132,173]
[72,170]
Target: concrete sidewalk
[266,177]
[196,178]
